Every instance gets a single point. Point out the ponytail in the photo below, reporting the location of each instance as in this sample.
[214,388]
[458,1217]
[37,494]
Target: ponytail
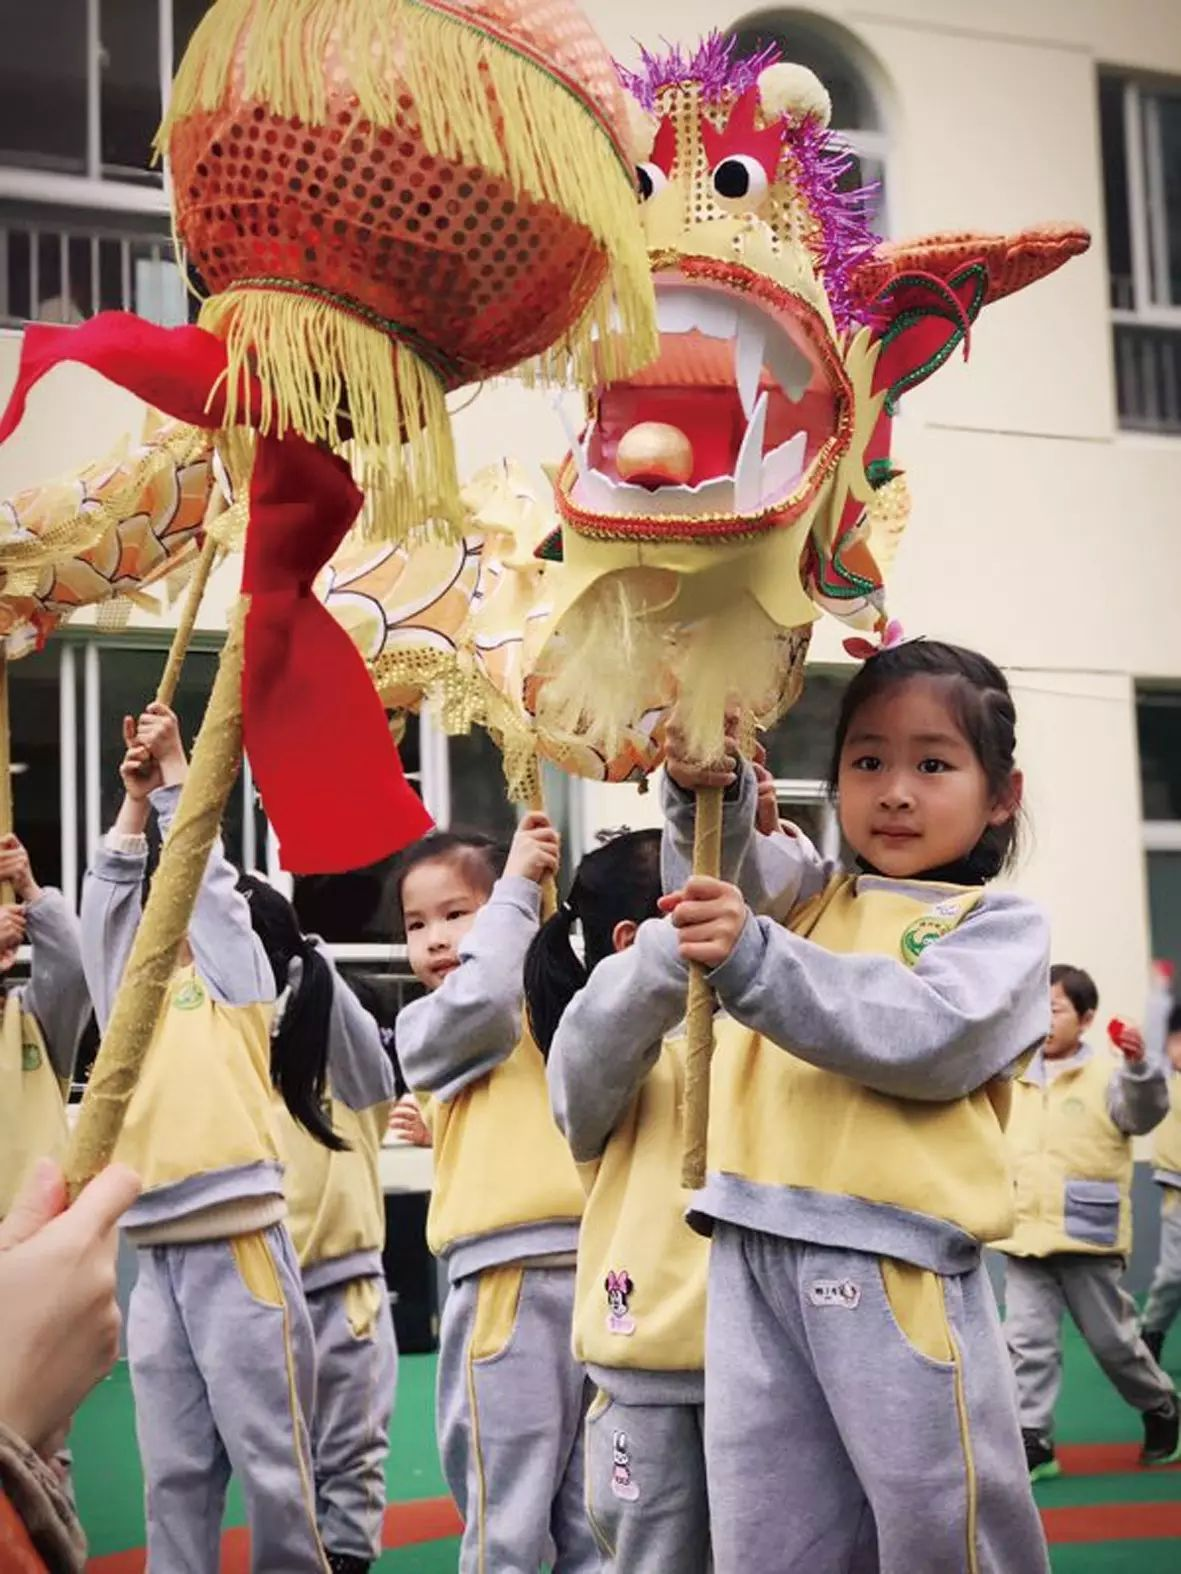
[554,973]
[299,1045]
[618,882]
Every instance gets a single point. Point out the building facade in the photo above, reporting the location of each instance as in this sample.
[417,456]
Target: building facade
[1045,473]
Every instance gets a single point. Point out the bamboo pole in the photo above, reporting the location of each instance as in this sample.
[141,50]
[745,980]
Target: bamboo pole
[179,649]
[217,756]
[699,1009]
[549,886]
[7,895]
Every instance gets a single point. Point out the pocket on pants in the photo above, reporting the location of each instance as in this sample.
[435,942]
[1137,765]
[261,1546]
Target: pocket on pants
[915,1297]
[498,1301]
[257,1268]
[362,1306]
[1090,1211]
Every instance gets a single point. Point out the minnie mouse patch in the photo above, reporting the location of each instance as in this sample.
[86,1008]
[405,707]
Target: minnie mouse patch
[619,1287]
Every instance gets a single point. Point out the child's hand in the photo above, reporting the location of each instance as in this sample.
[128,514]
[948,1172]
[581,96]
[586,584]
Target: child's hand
[159,733]
[709,916]
[140,773]
[1127,1039]
[535,850]
[16,869]
[767,802]
[12,929]
[406,1122]
[688,774]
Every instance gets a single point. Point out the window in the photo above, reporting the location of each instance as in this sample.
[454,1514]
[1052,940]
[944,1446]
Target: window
[1158,713]
[843,65]
[1140,124]
[798,751]
[83,214]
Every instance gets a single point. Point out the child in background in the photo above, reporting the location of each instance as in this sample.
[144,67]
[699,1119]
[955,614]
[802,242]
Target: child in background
[505,1207]
[42,1023]
[616,1081]
[337,1223]
[859,1412]
[1075,1112]
[1164,1298]
[218,1337]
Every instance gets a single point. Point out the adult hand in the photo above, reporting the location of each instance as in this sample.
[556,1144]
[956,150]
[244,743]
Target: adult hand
[59,1323]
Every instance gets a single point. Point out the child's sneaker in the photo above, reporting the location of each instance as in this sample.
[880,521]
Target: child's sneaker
[1154,1338]
[1162,1434]
[1039,1456]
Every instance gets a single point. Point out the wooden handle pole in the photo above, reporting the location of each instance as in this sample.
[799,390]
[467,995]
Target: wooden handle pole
[7,895]
[549,886]
[699,1009]
[170,677]
[217,756]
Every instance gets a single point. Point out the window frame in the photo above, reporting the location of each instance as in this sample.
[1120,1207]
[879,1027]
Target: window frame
[1145,179]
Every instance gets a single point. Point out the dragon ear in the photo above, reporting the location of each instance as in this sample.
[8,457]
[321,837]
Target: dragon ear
[795,93]
[923,296]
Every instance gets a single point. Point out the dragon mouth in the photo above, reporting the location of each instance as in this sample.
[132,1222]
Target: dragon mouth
[742,415]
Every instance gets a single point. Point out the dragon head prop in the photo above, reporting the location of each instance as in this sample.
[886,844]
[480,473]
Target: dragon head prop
[741,470]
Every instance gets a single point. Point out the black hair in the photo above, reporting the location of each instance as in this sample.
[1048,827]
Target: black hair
[1078,987]
[983,708]
[1174,1019]
[299,1046]
[617,882]
[482,857]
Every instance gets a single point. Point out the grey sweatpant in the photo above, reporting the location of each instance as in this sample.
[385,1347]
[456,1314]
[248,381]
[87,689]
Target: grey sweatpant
[833,1442]
[222,1369]
[1164,1298]
[645,1487]
[511,1404]
[356,1381]
[1037,1292]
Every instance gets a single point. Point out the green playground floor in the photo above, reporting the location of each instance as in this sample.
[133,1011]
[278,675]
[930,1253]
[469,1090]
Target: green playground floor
[1103,1516]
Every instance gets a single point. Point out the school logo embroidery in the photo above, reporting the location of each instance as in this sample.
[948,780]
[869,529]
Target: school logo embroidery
[30,1057]
[1074,1107]
[622,1484]
[932,926]
[189,996]
[619,1287]
[835,1292]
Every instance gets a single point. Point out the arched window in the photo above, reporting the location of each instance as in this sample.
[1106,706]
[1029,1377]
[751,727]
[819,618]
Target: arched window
[845,67]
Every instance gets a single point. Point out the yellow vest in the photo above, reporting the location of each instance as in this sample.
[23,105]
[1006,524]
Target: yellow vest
[1072,1165]
[640,1288]
[782,1123]
[1166,1151]
[335,1205]
[203,1100]
[32,1100]
[500,1160]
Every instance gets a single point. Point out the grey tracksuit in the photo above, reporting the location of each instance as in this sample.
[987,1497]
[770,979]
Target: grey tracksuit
[833,1439]
[509,1422]
[219,1339]
[336,1225]
[645,1457]
[1088,1285]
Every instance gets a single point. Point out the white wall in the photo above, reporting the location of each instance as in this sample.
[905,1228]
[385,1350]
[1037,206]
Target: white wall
[1040,533]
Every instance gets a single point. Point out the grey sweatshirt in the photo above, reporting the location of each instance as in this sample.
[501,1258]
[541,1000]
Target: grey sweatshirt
[607,1042]
[56,994]
[459,1033]
[968,1010]
[229,958]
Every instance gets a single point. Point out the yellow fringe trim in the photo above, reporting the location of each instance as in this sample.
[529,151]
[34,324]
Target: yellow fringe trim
[478,102]
[312,360]
[466,699]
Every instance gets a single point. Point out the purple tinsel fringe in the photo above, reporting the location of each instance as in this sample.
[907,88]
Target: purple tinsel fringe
[822,159]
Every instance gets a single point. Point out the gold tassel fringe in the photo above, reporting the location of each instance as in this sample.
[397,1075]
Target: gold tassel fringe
[613,659]
[478,101]
[312,360]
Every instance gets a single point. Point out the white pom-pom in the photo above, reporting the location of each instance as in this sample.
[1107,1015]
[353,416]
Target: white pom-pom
[794,90]
[640,131]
